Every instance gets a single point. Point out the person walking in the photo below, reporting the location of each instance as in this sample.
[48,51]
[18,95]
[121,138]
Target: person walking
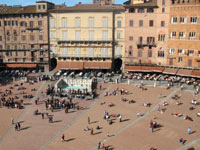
[120,118]
[88,120]
[92,131]
[12,120]
[189,130]
[63,138]
[19,126]
[99,146]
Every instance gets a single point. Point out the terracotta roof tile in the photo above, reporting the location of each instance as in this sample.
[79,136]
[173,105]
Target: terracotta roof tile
[90,7]
[4,9]
[151,3]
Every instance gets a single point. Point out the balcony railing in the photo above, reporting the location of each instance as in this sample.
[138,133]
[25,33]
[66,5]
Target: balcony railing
[80,56]
[85,41]
[143,43]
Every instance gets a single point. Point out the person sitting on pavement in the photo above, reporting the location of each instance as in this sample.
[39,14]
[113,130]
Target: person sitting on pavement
[176,114]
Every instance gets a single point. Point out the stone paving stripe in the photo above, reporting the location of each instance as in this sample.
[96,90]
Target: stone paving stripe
[78,117]
[189,144]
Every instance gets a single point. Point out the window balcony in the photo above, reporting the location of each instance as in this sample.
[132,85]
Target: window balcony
[143,43]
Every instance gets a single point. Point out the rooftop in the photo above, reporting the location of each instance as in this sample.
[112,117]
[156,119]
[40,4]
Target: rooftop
[151,3]
[89,7]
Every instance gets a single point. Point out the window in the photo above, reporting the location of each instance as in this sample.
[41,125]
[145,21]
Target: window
[162,23]
[151,23]
[161,54]
[7,23]
[173,20]
[39,23]
[190,52]
[77,22]
[173,35]
[118,35]
[78,52]
[118,52]
[15,59]
[150,53]
[199,52]
[23,37]
[24,59]
[163,2]
[1,47]
[180,59]
[64,22]
[52,35]
[31,24]
[77,35]
[181,51]
[41,6]
[22,16]
[40,37]
[53,50]
[119,23]
[193,20]
[91,22]
[31,15]
[161,37]
[183,1]
[105,34]
[189,63]
[64,51]
[14,23]
[183,20]
[163,10]
[91,35]
[150,10]
[15,38]
[192,35]
[131,10]
[130,38]
[181,35]
[24,53]
[130,52]
[140,39]
[52,23]
[140,10]
[0,38]
[105,52]
[105,22]
[64,35]
[0,23]
[16,53]
[150,40]
[139,53]
[140,23]
[39,15]
[131,23]
[91,52]
[32,37]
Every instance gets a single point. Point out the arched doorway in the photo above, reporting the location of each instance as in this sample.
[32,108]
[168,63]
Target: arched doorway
[117,65]
[53,63]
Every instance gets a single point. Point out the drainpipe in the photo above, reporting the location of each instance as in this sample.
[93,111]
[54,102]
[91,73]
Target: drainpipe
[113,40]
[48,32]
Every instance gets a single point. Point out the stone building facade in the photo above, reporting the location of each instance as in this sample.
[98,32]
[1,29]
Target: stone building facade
[146,32]
[87,36]
[24,39]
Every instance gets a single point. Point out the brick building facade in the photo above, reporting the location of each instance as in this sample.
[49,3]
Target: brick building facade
[184,34]
[24,36]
